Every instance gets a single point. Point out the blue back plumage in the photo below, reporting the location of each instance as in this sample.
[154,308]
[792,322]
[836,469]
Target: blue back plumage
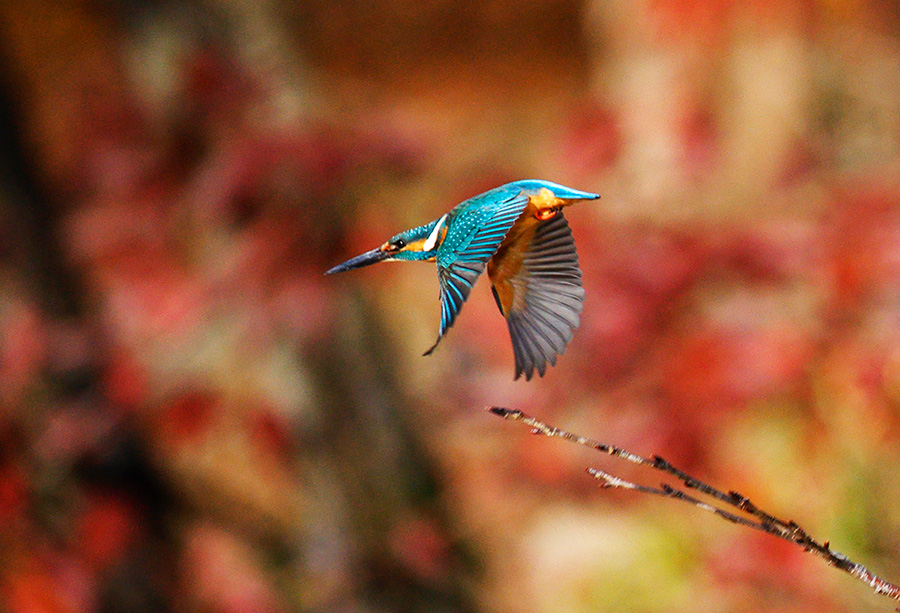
[560,191]
[476,227]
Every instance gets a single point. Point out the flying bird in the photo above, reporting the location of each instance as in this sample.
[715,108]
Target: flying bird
[519,233]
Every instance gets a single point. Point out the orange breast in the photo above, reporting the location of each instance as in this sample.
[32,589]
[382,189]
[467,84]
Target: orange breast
[507,261]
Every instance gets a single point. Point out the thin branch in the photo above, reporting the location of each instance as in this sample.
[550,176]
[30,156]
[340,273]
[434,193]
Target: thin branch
[758,520]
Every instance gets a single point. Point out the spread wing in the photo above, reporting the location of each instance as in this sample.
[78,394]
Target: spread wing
[541,297]
[475,230]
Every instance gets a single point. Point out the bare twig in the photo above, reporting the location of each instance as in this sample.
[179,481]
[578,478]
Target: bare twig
[758,519]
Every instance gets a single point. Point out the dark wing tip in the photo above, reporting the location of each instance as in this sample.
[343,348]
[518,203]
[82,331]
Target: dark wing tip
[520,370]
[531,348]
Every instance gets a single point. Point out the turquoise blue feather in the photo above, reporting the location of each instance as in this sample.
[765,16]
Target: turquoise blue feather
[476,228]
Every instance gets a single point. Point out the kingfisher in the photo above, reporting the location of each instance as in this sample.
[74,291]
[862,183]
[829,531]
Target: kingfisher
[518,232]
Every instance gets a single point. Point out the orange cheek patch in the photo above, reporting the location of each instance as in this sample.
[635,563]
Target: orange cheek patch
[415,246]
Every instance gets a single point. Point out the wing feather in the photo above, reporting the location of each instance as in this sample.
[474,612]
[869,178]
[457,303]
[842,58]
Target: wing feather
[546,296]
[476,228]
[456,282]
[521,337]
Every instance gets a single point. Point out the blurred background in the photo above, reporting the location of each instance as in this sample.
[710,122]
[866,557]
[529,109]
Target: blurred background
[194,418]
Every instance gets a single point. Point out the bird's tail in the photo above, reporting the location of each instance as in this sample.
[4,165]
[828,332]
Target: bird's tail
[432,347]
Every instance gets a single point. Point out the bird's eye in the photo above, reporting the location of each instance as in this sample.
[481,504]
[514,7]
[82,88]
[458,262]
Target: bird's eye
[399,243]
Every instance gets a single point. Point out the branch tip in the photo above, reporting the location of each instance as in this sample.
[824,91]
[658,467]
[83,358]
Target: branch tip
[505,413]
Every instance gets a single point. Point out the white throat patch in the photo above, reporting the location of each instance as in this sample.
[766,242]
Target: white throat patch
[431,241]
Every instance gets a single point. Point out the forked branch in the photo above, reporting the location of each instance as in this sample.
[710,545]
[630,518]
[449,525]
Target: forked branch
[755,517]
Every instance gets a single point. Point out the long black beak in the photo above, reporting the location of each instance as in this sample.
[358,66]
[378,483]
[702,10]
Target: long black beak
[369,257]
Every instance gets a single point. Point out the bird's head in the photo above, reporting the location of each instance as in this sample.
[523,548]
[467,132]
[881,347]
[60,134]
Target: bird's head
[419,243]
